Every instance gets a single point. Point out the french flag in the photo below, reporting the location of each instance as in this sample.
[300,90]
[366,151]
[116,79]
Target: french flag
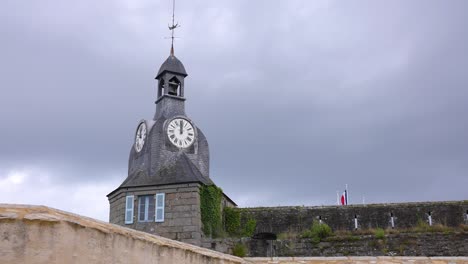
[344,198]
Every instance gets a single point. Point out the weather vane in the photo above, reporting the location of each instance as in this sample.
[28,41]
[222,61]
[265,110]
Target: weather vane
[172,27]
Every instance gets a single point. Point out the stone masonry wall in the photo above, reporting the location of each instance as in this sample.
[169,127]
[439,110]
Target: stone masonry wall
[182,216]
[290,222]
[419,244]
[291,219]
[41,235]
[404,244]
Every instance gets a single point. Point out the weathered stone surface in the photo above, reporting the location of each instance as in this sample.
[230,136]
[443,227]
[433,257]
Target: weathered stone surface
[403,244]
[29,236]
[298,218]
[181,208]
[8,215]
[358,260]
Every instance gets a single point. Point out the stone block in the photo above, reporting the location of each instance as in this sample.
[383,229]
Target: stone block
[182,208]
[184,195]
[180,222]
[184,235]
[191,228]
[182,214]
[196,235]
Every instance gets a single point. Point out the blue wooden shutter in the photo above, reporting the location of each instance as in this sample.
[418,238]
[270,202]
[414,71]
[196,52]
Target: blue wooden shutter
[160,200]
[129,209]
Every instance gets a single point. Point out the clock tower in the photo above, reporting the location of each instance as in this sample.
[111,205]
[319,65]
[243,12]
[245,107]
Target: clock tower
[168,164]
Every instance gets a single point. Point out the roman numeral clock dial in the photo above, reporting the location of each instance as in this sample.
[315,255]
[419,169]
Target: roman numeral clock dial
[181,133]
[140,136]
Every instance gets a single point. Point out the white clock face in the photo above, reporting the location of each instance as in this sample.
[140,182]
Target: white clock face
[181,133]
[140,136]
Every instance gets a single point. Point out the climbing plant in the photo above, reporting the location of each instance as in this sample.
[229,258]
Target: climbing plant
[232,221]
[238,224]
[249,227]
[210,207]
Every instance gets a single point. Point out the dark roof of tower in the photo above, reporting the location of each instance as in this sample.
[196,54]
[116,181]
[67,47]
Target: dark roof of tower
[173,65]
[182,170]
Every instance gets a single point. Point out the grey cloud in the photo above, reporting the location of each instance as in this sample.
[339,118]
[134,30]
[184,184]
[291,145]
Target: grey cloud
[296,98]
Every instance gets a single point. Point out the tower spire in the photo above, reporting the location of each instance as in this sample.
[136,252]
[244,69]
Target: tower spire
[172,27]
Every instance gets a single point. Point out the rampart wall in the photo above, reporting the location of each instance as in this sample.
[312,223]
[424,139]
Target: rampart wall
[296,219]
[279,229]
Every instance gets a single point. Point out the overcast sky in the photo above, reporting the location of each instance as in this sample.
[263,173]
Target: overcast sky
[296,98]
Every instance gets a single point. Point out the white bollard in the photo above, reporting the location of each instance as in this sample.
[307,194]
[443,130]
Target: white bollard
[392,220]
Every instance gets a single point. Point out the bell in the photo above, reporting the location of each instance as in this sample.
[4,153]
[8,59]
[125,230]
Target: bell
[173,87]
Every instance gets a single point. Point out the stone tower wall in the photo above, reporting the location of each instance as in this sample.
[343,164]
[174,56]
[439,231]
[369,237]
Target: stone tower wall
[182,217]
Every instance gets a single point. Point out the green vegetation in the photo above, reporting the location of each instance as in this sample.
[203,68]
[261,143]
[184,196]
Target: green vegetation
[214,218]
[210,207]
[342,237]
[424,227]
[249,227]
[402,249]
[421,226]
[233,219]
[239,250]
[379,233]
[317,232]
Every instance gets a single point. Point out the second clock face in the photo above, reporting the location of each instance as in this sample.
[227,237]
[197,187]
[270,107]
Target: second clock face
[181,133]
[140,136]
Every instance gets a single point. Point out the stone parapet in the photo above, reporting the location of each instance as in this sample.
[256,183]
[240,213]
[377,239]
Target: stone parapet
[40,235]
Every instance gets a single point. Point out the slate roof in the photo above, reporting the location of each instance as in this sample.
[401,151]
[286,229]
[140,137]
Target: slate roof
[173,65]
[182,170]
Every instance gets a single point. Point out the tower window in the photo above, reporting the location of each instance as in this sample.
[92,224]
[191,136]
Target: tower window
[145,208]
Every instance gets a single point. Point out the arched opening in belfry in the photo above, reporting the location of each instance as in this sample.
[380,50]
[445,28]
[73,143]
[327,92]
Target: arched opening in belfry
[174,86]
[161,87]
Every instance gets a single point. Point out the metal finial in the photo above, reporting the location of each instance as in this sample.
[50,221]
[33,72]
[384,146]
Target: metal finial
[171,28]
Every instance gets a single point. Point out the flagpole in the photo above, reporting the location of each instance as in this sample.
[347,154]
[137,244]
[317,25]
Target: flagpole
[346,194]
[337,198]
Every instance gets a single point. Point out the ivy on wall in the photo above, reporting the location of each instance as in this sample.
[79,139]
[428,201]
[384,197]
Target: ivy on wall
[210,207]
[232,221]
[249,227]
[237,224]
[220,222]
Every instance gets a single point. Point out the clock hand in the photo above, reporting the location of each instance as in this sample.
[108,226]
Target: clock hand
[180,127]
